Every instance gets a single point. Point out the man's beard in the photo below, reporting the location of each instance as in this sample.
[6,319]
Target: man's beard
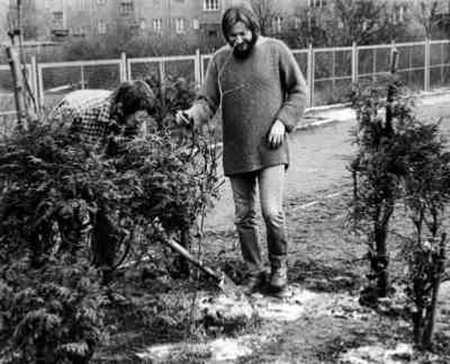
[244,52]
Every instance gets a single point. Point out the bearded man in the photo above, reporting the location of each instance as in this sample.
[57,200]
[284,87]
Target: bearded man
[261,91]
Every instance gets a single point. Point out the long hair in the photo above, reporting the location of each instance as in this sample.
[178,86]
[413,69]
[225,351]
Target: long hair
[129,97]
[242,14]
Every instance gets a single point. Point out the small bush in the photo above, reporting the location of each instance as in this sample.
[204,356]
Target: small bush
[51,315]
[51,186]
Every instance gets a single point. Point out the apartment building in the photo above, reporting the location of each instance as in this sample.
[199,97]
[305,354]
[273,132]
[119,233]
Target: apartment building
[63,19]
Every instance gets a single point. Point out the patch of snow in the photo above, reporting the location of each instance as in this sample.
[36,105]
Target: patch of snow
[160,352]
[226,308]
[378,355]
[288,309]
[281,311]
[401,353]
[228,349]
[222,350]
[363,355]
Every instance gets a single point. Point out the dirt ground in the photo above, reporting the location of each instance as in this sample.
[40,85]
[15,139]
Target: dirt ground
[321,321]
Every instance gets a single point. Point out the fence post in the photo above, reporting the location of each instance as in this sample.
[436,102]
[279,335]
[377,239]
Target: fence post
[34,82]
[82,77]
[124,73]
[197,71]
[310,75]
[162,82]
[427,64]
[41,93]
[19,90]
[394,59]
[354,63]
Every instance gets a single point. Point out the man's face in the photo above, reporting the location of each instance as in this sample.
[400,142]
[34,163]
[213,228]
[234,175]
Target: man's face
[241,39]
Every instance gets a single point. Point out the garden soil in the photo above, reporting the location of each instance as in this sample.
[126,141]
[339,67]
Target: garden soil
[321,320]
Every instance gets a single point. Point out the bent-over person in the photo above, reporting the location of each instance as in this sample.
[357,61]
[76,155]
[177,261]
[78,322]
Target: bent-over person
[107,119]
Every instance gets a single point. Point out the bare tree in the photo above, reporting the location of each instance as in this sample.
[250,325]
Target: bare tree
[354,21]
[266,11]
[307,29]
[428,16]
[393,22]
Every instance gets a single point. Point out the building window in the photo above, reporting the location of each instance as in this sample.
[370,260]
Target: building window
[58,20]
[157,25]
[195,24]
[401,14]
[210,5]
[101,27]
[364,25]
[317,3]
[179,25]
[79,32]
[143,24]
[83,4]
[398,15]
[276,24]
[126,7]
[58,17]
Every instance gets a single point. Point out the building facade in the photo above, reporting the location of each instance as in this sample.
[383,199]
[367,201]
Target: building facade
[61,19]
[196,19]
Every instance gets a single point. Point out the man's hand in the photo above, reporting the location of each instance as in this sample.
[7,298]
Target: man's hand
[184,118]
[276,134]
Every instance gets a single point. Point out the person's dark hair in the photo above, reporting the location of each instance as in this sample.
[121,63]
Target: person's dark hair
[239,14]
[130,97]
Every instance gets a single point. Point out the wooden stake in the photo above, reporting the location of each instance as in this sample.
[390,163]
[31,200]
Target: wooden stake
[19,90]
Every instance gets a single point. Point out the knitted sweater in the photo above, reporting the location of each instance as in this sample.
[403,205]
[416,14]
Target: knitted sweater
[253,93]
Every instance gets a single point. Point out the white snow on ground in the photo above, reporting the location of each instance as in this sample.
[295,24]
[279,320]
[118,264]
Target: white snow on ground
[335,113]
[377,354]
[298,303]
[228,349]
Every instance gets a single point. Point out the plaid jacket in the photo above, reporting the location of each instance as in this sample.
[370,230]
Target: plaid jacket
[89,113]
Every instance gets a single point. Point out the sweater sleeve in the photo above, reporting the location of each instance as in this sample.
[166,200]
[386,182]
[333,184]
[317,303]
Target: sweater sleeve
[208,99]
[294,87]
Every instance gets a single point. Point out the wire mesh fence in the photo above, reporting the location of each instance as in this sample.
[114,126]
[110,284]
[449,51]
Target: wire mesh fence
[161,68]
[330,72]
[373,62]
[57,79]
[440,64]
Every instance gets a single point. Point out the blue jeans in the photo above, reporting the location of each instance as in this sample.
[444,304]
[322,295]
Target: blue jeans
[271,187]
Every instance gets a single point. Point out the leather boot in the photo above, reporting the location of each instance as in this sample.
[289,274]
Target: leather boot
[278,273]
[253,282]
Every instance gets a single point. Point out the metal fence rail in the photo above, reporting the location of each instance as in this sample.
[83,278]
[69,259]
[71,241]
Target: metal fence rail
[330,72]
